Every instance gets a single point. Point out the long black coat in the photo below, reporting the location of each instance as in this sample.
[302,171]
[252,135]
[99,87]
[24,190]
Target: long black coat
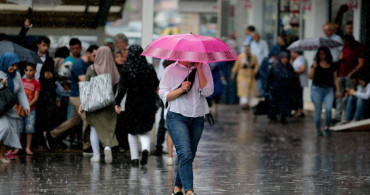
[139,81]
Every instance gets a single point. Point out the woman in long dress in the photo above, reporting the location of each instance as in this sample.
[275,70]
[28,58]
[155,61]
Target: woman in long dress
[246,67]
[103,121]
[140,82]
[9,122]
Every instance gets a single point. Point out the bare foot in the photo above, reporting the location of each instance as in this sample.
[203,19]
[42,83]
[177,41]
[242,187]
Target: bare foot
[15,151]
[29,152]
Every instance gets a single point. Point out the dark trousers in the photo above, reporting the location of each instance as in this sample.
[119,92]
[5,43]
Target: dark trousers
[161,134]
[121,133]
[279,103]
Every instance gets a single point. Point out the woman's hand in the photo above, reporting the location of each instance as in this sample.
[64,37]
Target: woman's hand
[339,94]
[117,109]
[314,65]
[199,65]
[185,86]
[28,111]
[351,91]
[80,110]
[4,81]
[58,104]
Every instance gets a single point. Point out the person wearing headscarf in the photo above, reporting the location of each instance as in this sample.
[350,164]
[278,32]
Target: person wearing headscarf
[9,122]
[103,121]
[46,106]
[280,81]
[246,67]
[140,82]
[265,68]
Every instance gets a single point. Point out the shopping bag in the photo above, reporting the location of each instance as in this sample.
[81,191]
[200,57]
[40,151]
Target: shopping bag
[7,100]
[96,93]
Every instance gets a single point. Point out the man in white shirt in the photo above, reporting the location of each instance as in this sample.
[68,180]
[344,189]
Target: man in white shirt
[329,31]
[260,49]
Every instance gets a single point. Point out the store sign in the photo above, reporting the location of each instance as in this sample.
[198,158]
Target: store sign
[306,5]
[352,4]
[247,4]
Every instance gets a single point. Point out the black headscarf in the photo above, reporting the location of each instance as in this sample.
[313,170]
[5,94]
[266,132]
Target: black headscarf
[136,63]
[48,85]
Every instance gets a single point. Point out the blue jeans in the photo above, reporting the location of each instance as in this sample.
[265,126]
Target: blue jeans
[344,82]
[27,123]
[185,133]
[261,87]
[320,95]
[351,103]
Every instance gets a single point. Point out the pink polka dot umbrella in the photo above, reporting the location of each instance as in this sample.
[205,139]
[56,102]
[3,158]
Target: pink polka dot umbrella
[191,48]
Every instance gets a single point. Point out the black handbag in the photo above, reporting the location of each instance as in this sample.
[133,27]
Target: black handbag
[7,100]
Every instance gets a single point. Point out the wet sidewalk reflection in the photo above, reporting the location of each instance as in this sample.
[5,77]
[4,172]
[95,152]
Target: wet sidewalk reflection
[238,155]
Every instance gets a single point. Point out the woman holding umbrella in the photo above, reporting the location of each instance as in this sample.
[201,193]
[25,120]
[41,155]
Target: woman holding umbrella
[184,93]
[324,78]
[9,122]
[185,112]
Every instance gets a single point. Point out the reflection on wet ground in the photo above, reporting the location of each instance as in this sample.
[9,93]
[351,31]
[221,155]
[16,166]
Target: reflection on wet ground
[238,155]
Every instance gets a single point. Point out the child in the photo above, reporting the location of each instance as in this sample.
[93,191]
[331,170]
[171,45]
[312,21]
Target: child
[356,100]
[32,89]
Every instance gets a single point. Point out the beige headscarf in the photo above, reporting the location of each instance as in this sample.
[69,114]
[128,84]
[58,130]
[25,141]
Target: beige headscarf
[104,63]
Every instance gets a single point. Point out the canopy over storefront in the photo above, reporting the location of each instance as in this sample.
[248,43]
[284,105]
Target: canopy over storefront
[70,13]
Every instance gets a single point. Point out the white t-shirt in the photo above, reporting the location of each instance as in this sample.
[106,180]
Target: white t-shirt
[336,50]
[297,63]
[260,49]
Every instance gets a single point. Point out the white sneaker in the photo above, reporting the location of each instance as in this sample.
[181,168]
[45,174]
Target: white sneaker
[95,158]
[108,155]
[170,161]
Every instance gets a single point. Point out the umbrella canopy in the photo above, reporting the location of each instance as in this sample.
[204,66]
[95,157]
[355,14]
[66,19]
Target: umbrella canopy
[24,54]
[31,3]
[190,47]
[312,44]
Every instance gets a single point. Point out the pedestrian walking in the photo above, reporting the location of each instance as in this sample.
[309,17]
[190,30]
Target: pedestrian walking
[78,72]
[46,107]
[246,69]
[324,78]
[103,121]
[186,106]
[281,82]
[162,127]
[260,49]
[140,82]
[9,122]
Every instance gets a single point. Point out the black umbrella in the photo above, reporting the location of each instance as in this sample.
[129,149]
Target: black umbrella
[23,53]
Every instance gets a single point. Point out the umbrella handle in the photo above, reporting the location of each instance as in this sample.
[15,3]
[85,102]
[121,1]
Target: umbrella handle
[187,77]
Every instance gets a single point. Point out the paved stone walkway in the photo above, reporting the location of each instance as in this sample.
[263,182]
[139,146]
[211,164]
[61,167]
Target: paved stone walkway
[238,155]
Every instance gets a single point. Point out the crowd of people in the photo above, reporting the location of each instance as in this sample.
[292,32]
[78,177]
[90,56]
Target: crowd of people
[49,111]
[279,76]
[51,114]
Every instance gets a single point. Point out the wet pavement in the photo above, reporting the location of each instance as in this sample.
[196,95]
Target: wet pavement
[238,155]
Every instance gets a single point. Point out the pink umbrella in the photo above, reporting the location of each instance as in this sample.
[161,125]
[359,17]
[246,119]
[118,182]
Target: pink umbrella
[191,48]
